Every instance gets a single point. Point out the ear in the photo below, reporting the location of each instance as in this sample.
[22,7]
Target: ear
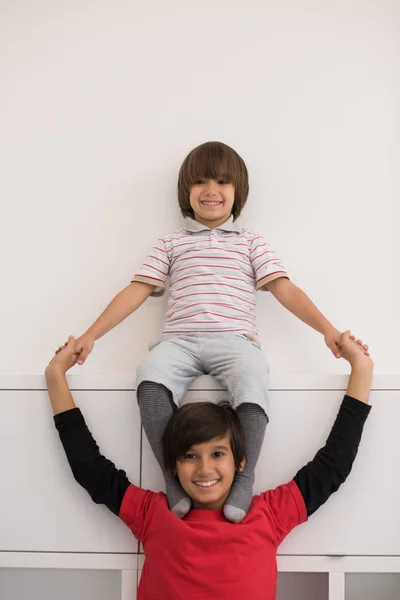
[241,466]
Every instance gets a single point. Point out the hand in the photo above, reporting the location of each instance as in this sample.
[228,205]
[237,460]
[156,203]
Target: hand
[65,358]
[332,340]
[84,346]
[354,351]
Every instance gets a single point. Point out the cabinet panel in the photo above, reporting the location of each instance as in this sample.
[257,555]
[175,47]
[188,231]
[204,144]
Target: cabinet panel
[42,508]
[40,584]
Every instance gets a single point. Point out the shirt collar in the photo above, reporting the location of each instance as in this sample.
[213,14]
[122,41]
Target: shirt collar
[194,226]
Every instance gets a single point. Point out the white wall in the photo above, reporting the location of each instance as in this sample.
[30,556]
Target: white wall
[100,102]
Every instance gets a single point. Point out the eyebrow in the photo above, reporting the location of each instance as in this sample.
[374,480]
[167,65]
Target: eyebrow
[213,448]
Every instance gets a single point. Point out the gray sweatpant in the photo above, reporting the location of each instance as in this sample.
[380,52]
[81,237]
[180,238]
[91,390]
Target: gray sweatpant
[236,362]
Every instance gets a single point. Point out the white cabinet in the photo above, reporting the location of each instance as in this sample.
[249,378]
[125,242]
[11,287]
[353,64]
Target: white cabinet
[42,508]
[53,536]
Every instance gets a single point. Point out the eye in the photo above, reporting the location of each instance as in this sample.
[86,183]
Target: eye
[189,456]
[199,181]
[223,182]
[218,454]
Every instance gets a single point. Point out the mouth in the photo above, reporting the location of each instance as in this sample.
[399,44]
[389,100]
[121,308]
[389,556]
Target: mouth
[211,202]
[207,485]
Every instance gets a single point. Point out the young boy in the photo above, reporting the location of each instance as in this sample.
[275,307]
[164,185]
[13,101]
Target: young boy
[203,446]
[214,270]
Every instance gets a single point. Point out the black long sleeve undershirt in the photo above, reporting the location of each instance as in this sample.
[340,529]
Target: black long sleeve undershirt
[317,480]
[101,479]
[332,464]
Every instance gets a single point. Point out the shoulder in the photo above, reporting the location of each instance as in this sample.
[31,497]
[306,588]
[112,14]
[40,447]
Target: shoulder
[175,235]
[252,239]
[285,503]
[250,234]
[138,502]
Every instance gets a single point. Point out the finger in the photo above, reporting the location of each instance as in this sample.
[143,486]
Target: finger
[83,356]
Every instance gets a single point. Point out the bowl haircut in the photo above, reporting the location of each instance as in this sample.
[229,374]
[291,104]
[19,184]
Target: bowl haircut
[213,160]
[198,423]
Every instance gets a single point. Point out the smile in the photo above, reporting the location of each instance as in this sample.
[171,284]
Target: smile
[211,203]
[207,484]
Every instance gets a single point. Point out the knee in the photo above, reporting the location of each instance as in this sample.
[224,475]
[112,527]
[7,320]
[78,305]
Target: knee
[148,391]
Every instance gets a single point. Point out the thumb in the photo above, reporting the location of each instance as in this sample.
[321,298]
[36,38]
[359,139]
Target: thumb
[82,357]
[71,342]
[335,349]
[71,345]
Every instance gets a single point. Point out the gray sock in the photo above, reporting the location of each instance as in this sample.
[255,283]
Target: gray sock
[254,421]
[156,408]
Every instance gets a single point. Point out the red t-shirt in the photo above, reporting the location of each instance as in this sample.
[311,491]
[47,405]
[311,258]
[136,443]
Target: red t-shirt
[204,556]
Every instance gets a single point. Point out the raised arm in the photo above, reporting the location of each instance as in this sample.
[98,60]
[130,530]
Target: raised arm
[98,475]
[332,464]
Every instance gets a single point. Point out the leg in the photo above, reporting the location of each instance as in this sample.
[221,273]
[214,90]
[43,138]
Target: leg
[254,421]
[241,367]
[162,378]
[156,408]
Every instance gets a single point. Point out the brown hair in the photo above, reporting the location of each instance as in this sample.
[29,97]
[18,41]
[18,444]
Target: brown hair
[198,423]
[213,160]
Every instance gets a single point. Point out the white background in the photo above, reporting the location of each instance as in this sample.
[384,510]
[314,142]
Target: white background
[100,102]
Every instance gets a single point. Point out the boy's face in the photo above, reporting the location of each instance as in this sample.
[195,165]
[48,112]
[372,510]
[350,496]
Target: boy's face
[206,473]
[212,201]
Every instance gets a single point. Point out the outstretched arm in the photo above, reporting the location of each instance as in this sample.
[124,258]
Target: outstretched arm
[98,475]
[299,304]
[332,464]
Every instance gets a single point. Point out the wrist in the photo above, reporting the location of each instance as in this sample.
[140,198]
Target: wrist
[54,372]
[92,333]
[328,328]
[362,365]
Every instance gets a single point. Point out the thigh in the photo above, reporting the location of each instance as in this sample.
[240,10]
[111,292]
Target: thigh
[171,364]
[241,367]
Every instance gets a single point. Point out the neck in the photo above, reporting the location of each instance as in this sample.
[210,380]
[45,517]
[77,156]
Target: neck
[212,224]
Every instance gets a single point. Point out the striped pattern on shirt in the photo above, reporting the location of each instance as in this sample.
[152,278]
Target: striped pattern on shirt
[213,277]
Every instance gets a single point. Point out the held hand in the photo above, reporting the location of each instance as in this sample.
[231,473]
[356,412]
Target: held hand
[84,346]
[333,341]
[65,358]
[354,351]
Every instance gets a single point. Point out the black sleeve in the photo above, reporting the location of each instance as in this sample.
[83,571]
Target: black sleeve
[331,465]
[98,475]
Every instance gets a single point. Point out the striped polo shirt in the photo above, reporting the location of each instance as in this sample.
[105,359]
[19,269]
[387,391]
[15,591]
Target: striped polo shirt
[213,277]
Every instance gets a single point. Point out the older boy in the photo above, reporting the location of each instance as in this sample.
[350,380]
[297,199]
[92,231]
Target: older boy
[203,446]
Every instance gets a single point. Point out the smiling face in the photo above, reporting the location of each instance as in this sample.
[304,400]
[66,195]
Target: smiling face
[206,472]
[212,201]
[213,183]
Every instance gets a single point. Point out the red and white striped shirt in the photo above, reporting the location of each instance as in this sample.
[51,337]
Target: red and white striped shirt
[213,277]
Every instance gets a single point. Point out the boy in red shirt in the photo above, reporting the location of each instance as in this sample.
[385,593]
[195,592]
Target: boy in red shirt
[203,555]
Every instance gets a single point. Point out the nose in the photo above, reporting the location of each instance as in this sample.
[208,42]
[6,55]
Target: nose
[210,188]
[205,467]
